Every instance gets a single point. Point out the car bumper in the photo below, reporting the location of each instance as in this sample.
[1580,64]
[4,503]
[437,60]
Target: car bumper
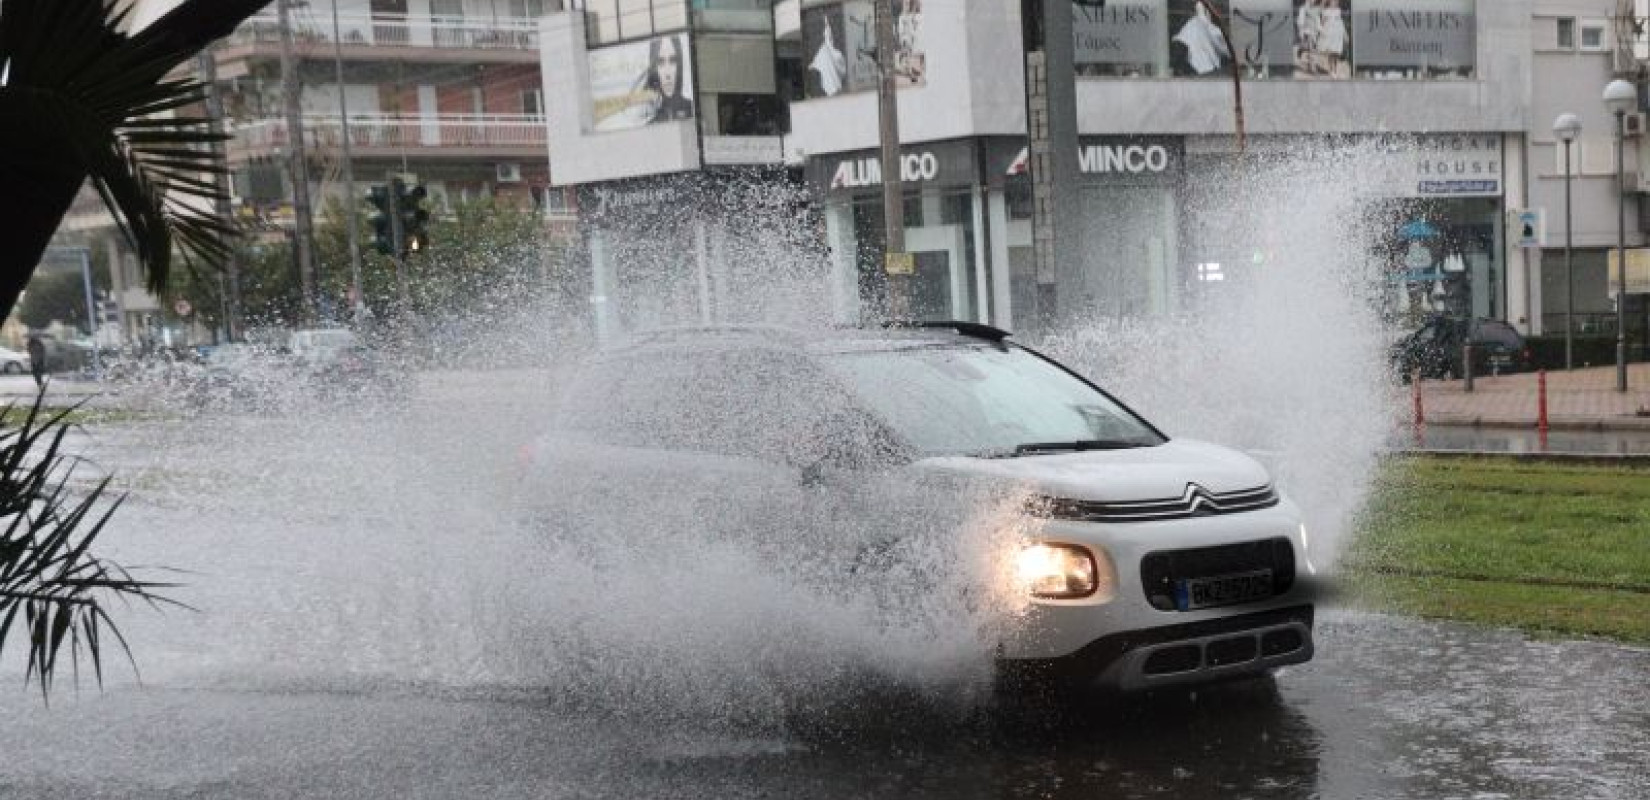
[1195,652]
[1128,638]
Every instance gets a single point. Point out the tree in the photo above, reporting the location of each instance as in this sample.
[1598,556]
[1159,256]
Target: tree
[79,100]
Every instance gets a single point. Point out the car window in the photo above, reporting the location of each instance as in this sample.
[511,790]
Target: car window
[747,403]
[1500,333]
[951,400]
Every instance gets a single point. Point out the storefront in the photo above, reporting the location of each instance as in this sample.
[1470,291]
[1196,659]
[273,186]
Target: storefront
[1432,217]
[968,225]
[1128,239]
[944,230]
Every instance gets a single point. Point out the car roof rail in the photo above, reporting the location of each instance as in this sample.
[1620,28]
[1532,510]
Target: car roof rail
[976,330]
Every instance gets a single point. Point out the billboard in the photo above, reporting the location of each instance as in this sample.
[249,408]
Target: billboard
[839,44]
[1323,39]
[1414,38]
[1123,38]
[641,83]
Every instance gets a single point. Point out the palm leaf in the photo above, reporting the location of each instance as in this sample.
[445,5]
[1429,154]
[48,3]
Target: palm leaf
[89,100]
[49,579]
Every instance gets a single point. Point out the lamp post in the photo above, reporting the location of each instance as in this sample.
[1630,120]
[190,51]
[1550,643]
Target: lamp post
[1620,96]
[1567,127]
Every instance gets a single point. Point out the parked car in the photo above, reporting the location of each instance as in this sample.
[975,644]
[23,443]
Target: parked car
[13,362]
[1151,561]
[1437,349]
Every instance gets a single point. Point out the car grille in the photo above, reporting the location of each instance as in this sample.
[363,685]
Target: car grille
[1195,502]
[1160,571]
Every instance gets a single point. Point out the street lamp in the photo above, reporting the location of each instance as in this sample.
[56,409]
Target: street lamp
[1567,127]
[1620,96]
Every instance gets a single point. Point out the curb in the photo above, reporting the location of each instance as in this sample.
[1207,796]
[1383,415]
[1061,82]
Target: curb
[1584,459]
[1623,423]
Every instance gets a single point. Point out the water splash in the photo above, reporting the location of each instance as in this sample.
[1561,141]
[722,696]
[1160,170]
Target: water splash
[1285,356]
[392,540]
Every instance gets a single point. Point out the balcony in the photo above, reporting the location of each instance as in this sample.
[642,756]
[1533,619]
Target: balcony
[396,37]
[518,136]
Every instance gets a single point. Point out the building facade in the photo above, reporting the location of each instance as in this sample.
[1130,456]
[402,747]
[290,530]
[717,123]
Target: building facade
[447,91]
[1579,46]
[1445,86]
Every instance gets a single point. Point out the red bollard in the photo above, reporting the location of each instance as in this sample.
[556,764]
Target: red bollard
[1541,401]
[1420,413]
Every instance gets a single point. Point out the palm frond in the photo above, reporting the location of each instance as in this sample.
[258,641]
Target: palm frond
[49,578]
[107,97]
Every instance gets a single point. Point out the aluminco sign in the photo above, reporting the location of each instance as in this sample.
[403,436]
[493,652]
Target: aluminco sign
[1132,158]
[862,172]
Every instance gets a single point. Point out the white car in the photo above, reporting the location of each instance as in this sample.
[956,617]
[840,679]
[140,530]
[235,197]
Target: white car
[13,362]
[1149,561]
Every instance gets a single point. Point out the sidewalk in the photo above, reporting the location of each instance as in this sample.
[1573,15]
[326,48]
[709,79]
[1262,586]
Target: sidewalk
[61,390]
[1585,399]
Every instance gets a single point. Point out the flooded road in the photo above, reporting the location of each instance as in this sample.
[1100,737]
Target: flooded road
[372,626]
[1391,708]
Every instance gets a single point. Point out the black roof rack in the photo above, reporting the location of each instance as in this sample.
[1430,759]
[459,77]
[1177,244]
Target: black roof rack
[977,330]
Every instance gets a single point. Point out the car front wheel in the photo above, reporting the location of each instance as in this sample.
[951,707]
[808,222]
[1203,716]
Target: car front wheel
[13,368]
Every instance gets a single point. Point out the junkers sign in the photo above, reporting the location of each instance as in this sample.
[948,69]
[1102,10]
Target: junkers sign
[938,163]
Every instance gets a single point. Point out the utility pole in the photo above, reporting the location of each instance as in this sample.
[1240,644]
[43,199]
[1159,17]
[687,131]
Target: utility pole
[1225,23]
[351,202]
[896,262]
[207,64]
[1051,121]
[304,234]
[398,241]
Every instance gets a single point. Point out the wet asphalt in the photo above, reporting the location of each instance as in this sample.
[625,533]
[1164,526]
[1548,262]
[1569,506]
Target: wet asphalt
[1391,708]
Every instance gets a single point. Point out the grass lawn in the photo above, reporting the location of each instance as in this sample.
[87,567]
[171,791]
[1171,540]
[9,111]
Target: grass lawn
[1536,545]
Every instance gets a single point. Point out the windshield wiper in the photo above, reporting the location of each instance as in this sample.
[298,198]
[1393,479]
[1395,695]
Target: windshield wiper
[1079,445]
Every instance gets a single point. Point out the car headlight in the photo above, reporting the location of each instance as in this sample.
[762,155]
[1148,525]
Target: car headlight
[1059,571]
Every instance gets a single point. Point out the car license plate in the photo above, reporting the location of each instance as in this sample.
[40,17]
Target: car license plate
[1222,590]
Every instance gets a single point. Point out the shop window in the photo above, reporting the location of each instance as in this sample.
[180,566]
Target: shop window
[608,21]
[747,115]
[526,9]
[1566,33]
[1592,35]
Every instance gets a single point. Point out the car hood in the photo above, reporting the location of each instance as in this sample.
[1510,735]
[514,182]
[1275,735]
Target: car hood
[1117,476]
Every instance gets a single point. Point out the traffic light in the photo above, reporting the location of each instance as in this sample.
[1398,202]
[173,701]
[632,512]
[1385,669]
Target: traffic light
[414,219]
[383,238]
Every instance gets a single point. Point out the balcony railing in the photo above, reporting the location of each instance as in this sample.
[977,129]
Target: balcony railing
[480,131]
[395,30]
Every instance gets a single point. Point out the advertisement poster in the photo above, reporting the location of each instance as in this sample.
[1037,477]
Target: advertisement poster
[1197,48]
[1123,38]
[640,83]
[840,45]
[1410,39]
[1263,33]
[1323,39]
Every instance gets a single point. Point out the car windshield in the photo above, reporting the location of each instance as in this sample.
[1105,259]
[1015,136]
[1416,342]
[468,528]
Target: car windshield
[986,400]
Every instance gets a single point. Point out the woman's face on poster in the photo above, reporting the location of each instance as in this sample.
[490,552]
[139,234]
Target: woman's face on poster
[669,67]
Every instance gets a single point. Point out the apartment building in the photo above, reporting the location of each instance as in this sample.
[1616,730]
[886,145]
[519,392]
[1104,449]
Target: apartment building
[1579,46]
[448,91]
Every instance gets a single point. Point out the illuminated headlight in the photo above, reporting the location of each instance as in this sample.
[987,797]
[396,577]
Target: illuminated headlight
[1059,571]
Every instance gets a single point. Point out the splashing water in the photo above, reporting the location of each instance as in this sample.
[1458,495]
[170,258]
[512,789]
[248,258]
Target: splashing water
[1287,364]
[393,541]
